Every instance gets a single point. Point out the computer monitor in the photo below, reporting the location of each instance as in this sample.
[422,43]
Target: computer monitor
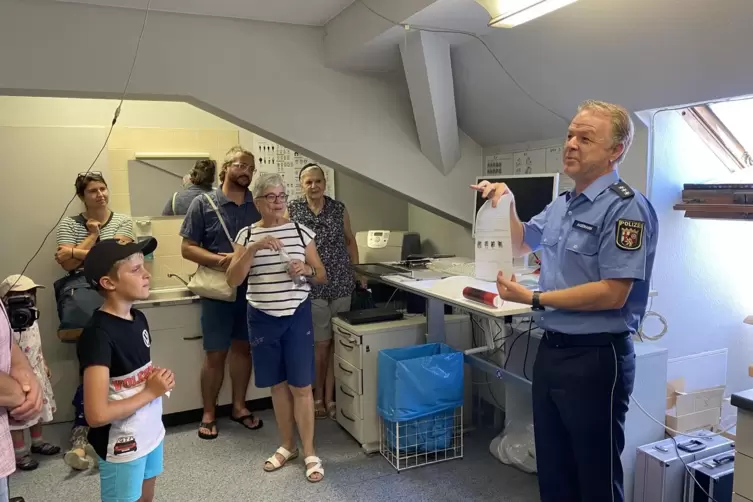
[533,192]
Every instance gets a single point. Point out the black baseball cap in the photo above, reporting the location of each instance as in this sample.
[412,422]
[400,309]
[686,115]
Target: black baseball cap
[107,252]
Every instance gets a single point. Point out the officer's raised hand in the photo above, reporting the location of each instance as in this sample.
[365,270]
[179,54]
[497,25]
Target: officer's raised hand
[510,291]
[495,191]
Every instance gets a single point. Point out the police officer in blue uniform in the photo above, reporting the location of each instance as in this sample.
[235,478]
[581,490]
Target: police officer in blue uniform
[597,246]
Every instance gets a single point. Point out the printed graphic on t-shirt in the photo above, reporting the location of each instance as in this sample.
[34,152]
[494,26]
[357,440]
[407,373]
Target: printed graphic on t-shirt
[143,428]
[125,444]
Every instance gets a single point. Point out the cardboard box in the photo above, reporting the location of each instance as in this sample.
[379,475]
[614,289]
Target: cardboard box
[698,420]
[686,403]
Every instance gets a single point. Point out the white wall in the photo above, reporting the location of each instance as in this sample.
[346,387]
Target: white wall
[440,235]
[267,77]
[633,169]
[703,271]
[45,142]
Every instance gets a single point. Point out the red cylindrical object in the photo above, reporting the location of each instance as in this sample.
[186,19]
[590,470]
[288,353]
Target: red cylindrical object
[481,296]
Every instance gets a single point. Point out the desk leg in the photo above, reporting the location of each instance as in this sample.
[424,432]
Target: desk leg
[435,320]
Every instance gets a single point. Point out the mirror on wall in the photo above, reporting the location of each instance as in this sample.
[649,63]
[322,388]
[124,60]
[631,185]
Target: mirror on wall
[152,183]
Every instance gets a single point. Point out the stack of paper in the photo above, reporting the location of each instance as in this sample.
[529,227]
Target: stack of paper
[493,240]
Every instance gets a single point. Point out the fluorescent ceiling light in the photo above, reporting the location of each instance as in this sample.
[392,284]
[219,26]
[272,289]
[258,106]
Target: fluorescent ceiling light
[510,13]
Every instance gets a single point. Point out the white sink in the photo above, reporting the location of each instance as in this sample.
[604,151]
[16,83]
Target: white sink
[161,295]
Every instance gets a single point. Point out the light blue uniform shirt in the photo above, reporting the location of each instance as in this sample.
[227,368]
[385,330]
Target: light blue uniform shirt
[597,234]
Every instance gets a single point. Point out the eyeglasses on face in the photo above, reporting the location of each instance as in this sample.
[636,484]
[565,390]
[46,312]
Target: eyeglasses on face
[243,165]
[272,198]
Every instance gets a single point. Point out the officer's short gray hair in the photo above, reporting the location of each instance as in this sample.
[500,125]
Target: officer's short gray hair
[622,125]
[265,182]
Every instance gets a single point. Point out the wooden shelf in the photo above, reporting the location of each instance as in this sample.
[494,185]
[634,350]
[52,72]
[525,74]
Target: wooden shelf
[716,211]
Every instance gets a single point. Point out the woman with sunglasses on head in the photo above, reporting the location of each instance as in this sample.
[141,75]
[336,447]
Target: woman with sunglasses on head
[76,235]
[279,261]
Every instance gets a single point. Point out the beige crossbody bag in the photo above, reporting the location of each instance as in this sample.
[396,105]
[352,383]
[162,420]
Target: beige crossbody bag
[209,282]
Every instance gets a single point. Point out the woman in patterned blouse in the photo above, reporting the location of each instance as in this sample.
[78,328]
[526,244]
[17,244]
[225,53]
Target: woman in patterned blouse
[336,243]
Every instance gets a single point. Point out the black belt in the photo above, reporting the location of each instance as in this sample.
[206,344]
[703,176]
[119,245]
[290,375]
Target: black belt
[587,340]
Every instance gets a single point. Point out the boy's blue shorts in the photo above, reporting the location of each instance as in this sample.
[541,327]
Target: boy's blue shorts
[121,482]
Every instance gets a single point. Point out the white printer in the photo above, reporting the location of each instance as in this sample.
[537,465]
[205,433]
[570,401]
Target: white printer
[375,246]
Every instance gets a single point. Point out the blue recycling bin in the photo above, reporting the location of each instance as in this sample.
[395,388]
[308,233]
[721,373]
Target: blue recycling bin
[418,389]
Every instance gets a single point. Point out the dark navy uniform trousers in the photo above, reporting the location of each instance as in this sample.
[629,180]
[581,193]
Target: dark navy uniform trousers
[579,408]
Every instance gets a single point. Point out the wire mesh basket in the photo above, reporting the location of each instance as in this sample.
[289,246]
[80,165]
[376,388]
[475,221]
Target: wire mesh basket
[426,440]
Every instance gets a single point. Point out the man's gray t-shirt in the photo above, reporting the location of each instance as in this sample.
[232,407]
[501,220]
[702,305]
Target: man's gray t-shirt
[182,200]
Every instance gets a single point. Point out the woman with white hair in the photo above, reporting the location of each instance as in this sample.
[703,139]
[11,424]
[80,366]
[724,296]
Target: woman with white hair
[279,260]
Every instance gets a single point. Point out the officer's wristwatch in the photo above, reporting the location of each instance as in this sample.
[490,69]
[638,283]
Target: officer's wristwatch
[536,302]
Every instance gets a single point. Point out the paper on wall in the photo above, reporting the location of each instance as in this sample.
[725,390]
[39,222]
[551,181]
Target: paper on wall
[493,240]
[499,165]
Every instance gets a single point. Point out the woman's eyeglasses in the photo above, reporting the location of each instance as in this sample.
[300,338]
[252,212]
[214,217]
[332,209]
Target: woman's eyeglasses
[272,198]
[90,174]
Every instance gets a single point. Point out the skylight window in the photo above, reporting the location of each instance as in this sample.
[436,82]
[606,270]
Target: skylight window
[737,116]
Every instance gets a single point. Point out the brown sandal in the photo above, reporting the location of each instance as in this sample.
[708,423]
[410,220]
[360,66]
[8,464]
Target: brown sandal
[319,410]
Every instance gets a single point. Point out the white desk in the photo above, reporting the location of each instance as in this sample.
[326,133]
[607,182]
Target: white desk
[435,302]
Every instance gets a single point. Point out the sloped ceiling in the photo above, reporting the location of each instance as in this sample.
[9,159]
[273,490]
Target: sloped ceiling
[643,54]
[307,12]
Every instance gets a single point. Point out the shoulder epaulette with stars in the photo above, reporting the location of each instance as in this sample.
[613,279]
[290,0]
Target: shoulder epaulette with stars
[622,190]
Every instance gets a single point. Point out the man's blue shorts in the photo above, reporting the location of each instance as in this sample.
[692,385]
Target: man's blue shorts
[282,347]
[222,322]
[121,482]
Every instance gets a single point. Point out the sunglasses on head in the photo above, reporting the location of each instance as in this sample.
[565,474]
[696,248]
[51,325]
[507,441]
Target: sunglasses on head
[90,174]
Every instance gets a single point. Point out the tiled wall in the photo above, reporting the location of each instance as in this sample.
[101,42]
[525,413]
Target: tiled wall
[167,258]
[123,146]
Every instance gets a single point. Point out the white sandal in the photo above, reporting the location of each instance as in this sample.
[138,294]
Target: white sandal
[316,468]
[276,464]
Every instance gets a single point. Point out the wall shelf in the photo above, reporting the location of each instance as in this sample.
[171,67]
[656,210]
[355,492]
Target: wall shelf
[716,211]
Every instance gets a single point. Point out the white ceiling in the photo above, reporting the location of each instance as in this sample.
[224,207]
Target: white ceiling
[643,54]
[307,12]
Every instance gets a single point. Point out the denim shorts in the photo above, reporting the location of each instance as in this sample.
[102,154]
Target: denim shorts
[222,322]
[282,347]
[121,481]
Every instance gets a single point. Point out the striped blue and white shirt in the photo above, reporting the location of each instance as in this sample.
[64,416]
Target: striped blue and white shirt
[270,288]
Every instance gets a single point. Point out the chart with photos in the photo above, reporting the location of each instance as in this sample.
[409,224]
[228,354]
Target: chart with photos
[538,161]
[274,158]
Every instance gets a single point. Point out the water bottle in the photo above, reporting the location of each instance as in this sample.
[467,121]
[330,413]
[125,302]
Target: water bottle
[298,280]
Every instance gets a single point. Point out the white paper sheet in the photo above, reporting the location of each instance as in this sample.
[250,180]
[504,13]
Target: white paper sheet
[493,240]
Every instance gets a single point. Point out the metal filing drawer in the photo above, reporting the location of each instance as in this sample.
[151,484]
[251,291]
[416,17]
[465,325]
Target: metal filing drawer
[348,346]
[349,400]
[348,374]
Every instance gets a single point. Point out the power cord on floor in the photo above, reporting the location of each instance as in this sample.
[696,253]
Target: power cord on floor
[433,29]
[104,145]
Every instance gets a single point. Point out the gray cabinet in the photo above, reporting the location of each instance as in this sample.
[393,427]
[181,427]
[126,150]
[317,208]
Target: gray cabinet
[356,350]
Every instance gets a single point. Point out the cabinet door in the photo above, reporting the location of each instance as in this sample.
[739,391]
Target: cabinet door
[180,350]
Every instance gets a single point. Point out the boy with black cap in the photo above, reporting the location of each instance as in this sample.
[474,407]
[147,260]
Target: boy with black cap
[123,390]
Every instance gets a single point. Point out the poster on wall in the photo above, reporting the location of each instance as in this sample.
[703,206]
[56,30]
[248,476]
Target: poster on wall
[499,164]
[530,162]
[274,158]
[554,165]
